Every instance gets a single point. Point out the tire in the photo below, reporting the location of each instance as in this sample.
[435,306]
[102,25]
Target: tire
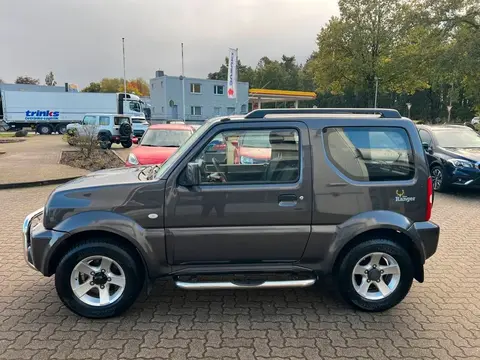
[127,144]
[374,300]
[438,171]
[44,129]
[131,268]
[61,129]
[104,141]
[125,129]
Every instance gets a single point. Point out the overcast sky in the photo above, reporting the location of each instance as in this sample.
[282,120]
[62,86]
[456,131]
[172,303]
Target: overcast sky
[80,40]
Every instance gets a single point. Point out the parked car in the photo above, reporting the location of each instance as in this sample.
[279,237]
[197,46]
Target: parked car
[453,153]
[253,148]
[475,120]
[139,126]
[109,128]
[158,143]
[341,196]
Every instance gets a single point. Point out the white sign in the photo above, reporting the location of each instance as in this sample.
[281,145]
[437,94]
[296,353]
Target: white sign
[232,74]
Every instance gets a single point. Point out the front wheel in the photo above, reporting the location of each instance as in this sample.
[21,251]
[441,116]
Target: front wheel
[439,180]
[98,279]
[375,275]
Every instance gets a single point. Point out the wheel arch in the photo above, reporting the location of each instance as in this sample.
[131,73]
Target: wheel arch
[398,236]
[71,240]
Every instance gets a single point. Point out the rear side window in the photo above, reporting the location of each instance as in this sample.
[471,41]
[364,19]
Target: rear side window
[104,120]
[370,153]
[120,120]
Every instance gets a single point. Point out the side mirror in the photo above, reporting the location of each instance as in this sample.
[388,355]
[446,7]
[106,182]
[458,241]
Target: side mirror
[426,147]
[191,175]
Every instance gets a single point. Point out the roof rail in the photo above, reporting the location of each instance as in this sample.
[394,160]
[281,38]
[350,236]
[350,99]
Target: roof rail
[384,113]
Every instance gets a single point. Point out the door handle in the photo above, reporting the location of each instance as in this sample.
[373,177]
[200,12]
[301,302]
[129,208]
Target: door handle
[287,200]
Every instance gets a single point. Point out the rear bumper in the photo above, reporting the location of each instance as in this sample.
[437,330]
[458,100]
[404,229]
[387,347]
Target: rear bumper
[428,234]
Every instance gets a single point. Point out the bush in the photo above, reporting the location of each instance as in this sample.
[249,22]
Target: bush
[21,133]
[86,141]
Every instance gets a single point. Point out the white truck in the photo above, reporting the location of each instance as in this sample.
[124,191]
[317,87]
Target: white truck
[47,112]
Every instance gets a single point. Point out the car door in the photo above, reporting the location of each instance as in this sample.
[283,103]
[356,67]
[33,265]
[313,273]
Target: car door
[243,212]
[88,124]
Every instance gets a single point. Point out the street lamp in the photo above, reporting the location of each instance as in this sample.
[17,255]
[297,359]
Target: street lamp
[409,106]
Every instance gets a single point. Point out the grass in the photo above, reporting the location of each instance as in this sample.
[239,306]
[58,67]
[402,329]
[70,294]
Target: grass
[11,134]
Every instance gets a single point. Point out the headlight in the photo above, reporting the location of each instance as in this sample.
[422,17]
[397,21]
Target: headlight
[132,159]
[246,160]
[460,163]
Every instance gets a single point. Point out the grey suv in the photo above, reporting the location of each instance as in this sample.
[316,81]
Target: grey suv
[342,192]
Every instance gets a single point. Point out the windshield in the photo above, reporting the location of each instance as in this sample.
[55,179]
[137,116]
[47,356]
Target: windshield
[182,150]
[457,138]
[256,140]
[135,105]
[162,137]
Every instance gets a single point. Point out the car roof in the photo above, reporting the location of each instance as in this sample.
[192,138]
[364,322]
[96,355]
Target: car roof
[171,127]
[98,114]
[443,126]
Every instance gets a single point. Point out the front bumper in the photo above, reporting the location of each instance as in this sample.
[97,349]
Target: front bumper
[27,241]
[464,177]
[428,234]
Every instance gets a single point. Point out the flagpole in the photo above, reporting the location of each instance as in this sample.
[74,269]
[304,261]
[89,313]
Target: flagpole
[183,85]
[124,77]
[236,80]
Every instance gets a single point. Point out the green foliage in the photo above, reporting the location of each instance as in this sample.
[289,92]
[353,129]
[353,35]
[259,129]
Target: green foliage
[113,85]
[93,87]
[27,80]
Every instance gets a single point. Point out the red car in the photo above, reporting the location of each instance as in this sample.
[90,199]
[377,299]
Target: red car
[253,148]
[158,143]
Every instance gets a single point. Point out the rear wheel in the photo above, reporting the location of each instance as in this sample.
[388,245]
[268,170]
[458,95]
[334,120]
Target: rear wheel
[128,143]
[44,129]
[98,279]
[61,129]
[104,141]
[375,275]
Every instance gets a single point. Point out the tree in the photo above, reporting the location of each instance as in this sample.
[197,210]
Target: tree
[245,73]
[111,85]
[50,79]
[137,86]
[93,87]
[27,80]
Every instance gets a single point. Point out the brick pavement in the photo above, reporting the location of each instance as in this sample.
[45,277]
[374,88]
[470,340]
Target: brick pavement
[439,319]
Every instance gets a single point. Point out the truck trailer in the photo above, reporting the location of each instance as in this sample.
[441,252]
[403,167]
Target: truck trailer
[48,112]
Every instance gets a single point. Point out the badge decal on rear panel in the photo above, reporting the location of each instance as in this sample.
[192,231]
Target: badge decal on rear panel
[401,197]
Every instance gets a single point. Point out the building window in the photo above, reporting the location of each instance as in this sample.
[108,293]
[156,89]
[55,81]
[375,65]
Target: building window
[218,89]
[161,84]
[163,109]
[153,86]
[244,109]
[196,88]
[230,110]
[196,110]
[370,153]
[216,111]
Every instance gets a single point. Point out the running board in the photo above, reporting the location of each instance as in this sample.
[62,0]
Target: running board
[239,285]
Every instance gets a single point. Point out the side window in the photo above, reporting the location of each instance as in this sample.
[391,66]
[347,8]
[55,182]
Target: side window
[135,106]
[370,153]
[104,120]
[425,136]
[89,120]
[251,156]
[120,120]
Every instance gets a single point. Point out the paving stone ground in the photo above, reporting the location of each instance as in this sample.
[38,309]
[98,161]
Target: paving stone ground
[440,319]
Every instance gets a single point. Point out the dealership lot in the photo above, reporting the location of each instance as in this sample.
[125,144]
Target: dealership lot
[439,319]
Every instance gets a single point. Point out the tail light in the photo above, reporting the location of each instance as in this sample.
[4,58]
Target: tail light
[428,213]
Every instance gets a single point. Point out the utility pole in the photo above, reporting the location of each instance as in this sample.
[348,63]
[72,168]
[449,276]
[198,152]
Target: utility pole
[409,106]
[124,77]
[183,85]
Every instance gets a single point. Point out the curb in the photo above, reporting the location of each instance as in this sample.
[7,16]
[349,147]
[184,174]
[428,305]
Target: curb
[36,183]
[118,156]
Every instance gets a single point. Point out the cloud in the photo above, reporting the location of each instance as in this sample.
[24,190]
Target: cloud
[80,40]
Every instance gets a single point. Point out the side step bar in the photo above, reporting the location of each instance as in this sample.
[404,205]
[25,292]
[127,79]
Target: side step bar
[232,285]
